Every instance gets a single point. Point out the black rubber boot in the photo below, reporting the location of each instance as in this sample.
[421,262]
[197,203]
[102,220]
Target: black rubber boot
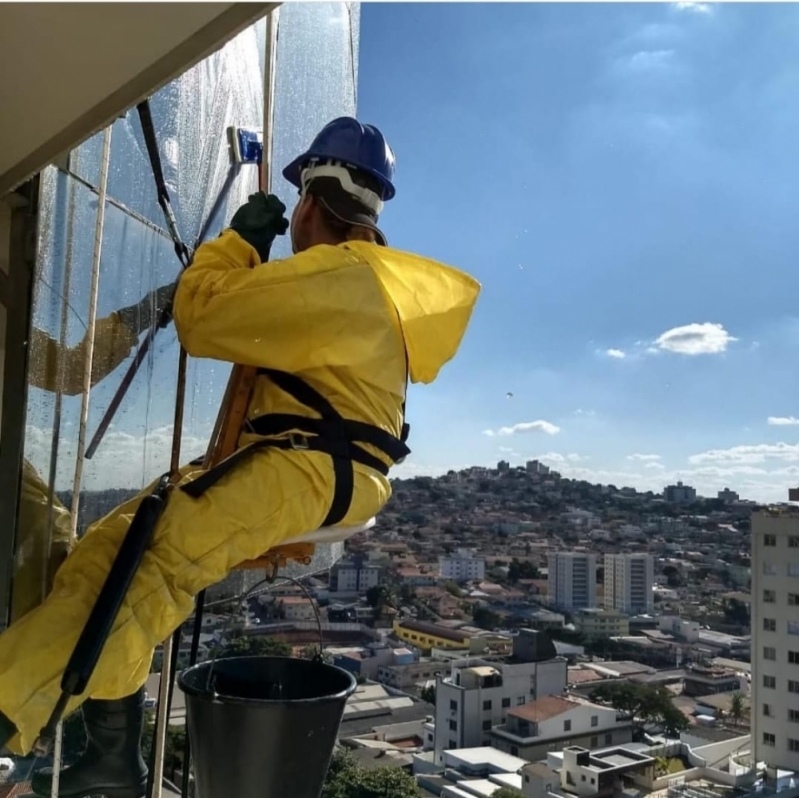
[112,763]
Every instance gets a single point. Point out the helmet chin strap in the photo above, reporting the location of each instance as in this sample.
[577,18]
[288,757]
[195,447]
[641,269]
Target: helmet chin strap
[292,226]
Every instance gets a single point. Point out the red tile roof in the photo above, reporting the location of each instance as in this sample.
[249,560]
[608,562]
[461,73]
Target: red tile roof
[544,708]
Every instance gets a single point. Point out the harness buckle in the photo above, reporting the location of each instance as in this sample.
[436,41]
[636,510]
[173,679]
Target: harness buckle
[298,441]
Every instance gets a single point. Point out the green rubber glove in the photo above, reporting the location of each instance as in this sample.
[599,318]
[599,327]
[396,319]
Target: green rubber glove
[260,221]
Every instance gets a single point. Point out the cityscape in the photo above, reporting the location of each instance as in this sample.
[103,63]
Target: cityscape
[514,632]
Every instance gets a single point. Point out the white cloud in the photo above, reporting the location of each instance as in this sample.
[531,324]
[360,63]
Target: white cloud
[121,461]
[524,427]
[650,59]
[618,354]
[695,339]
[752,482]
[758,453]
[557,457]
[783,421]
[758,484]
[529,426]
[643,458]
[586,413]
[696,8]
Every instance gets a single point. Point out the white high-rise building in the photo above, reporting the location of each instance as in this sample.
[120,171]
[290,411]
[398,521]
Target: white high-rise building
[572,580]
[462,566]
[629,579]
[775,638]
[679,494]
[477,694]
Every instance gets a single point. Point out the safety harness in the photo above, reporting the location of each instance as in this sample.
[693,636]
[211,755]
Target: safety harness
[331,433]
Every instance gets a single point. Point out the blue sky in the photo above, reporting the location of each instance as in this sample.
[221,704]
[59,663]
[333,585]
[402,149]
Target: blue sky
[623,181]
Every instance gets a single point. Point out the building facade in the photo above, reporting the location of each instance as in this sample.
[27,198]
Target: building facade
[728,496]
[596,622]
[297,608]
[353,576]
[679,494]
[572,580]
[477,694]
[629,579]
[700,681]
[462,566]
[426,636]
[775,638]
[553,722]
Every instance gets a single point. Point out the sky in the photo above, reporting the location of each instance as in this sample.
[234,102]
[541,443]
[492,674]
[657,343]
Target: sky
[622,180]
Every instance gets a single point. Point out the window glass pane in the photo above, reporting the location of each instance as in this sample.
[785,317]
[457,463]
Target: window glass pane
[315,82]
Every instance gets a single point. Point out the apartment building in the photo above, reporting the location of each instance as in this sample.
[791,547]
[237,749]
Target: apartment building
[700,680]
[297,608]
[462,566]
[629,579]
[775,638]
[554,722]
[572,580]
[595,622]
[426,636]
[478,694]
[353,576]
[679,494]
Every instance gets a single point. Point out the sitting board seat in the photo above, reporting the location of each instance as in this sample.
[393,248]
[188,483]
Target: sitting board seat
[301,549]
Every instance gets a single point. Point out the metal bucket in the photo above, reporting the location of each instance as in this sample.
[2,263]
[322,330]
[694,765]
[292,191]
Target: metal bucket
[263,727]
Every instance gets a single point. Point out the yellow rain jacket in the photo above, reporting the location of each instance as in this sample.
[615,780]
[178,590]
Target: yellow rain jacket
[40,550]
[342,319]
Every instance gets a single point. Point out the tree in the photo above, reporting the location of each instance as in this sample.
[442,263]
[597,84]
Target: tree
[622,696]
[346,780]
[485,618]
[736,612]
[250,646]
[453,589]
[673,576]
[428,694]
[380,597]
[644,705]
[737,707]
[521,570]
[375,595]
[173,749]
[407,594]
[312,652]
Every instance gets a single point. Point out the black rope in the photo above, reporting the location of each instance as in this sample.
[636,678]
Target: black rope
[195,647]
[150,141]
[185,257]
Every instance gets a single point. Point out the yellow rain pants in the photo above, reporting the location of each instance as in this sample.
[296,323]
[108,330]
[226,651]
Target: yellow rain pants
[40,549]
[335,316]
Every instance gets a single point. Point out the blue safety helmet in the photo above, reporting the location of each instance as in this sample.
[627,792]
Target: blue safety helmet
[361,147]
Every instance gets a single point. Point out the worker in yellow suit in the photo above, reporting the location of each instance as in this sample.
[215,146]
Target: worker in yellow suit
[39,547]
[336,330]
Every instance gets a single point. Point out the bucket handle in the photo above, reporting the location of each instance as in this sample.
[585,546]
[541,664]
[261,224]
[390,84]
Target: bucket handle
[317,657]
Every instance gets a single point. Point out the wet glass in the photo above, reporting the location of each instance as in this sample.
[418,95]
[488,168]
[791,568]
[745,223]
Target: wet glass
[315,81]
